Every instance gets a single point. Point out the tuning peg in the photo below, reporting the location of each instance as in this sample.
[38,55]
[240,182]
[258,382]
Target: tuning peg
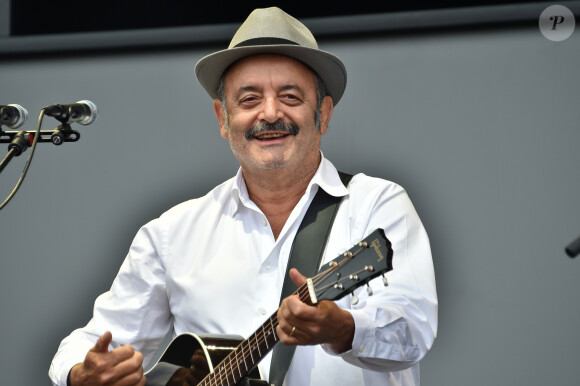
[369,290]
[354,299]
[353,277]
[385,282]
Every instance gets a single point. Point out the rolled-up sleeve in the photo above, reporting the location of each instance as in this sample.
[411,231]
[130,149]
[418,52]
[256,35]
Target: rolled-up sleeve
[397,325]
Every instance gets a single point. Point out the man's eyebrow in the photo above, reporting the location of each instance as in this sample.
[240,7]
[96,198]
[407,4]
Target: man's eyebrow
[292,87]
[247,88]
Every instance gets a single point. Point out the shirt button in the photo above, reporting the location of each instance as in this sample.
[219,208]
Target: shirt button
[268,265]
[362,349]
[262,311]
[265,221]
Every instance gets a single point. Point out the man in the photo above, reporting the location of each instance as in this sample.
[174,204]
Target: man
[216,264]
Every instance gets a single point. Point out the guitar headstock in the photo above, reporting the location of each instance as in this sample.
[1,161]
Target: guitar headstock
[370,258]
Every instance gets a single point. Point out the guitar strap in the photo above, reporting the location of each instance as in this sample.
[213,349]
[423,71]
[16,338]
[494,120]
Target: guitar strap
[306,255]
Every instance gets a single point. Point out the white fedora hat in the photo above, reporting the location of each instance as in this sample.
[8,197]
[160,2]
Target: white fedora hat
[273,31]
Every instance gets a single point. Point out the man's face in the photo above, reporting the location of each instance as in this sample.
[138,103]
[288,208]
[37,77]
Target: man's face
[271,102]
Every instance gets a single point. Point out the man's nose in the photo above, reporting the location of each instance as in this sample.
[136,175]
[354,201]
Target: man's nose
[270,111]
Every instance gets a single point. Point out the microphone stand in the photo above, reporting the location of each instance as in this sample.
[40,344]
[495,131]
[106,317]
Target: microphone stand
[19,141]
[8,158]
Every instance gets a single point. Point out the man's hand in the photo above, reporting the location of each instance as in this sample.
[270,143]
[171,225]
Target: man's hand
[301,324]
[121,367]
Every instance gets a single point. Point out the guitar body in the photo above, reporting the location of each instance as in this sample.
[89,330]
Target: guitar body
[181,349]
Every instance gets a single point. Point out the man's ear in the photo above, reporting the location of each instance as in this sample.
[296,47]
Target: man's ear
[325,113]
[218,109]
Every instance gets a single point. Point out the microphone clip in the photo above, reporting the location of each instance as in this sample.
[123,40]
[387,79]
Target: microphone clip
[64,133]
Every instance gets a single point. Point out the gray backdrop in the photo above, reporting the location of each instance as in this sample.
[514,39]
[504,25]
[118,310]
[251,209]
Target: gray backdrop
[480,125]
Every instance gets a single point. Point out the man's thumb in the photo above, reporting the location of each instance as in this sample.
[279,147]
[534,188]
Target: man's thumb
[102,344]
[297,277]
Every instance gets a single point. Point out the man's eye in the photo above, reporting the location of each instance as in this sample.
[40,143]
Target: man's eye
[248,99]
[291,97]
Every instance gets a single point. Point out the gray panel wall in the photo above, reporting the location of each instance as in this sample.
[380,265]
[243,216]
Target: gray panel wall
[480,126]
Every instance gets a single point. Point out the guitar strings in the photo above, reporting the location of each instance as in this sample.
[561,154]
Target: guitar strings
[223,370]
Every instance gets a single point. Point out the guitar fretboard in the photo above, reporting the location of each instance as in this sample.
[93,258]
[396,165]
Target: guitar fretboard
[236,366]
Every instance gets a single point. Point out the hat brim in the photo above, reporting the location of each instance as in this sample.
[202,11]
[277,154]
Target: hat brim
[329,68]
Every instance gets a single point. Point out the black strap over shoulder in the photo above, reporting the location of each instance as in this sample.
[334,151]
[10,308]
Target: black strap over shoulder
[306,255]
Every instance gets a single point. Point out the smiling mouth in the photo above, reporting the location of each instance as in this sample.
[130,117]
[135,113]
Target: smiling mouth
[267,131]
[267,136]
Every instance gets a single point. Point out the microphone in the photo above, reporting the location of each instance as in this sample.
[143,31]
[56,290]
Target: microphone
[12,116]
[84,112]
[573,249]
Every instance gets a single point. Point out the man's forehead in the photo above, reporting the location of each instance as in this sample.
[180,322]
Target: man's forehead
[256,67]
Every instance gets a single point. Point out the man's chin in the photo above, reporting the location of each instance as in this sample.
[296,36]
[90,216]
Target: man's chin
[274,164]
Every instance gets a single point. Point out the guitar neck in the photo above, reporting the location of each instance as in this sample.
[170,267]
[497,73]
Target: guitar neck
[246,356]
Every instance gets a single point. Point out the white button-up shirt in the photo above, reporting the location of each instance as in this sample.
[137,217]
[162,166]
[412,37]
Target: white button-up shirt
[212,265]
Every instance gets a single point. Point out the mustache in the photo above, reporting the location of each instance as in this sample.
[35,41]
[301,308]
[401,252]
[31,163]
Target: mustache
[277,126]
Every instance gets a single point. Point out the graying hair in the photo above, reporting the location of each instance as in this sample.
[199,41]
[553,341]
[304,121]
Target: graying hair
[320,94]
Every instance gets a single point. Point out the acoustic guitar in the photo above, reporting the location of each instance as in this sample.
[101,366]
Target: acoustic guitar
[233,360]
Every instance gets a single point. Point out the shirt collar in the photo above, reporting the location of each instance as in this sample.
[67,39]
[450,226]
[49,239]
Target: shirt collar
[239,191]
[326,177]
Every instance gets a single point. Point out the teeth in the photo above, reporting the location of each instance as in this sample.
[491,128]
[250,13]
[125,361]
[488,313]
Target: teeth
[273,135]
